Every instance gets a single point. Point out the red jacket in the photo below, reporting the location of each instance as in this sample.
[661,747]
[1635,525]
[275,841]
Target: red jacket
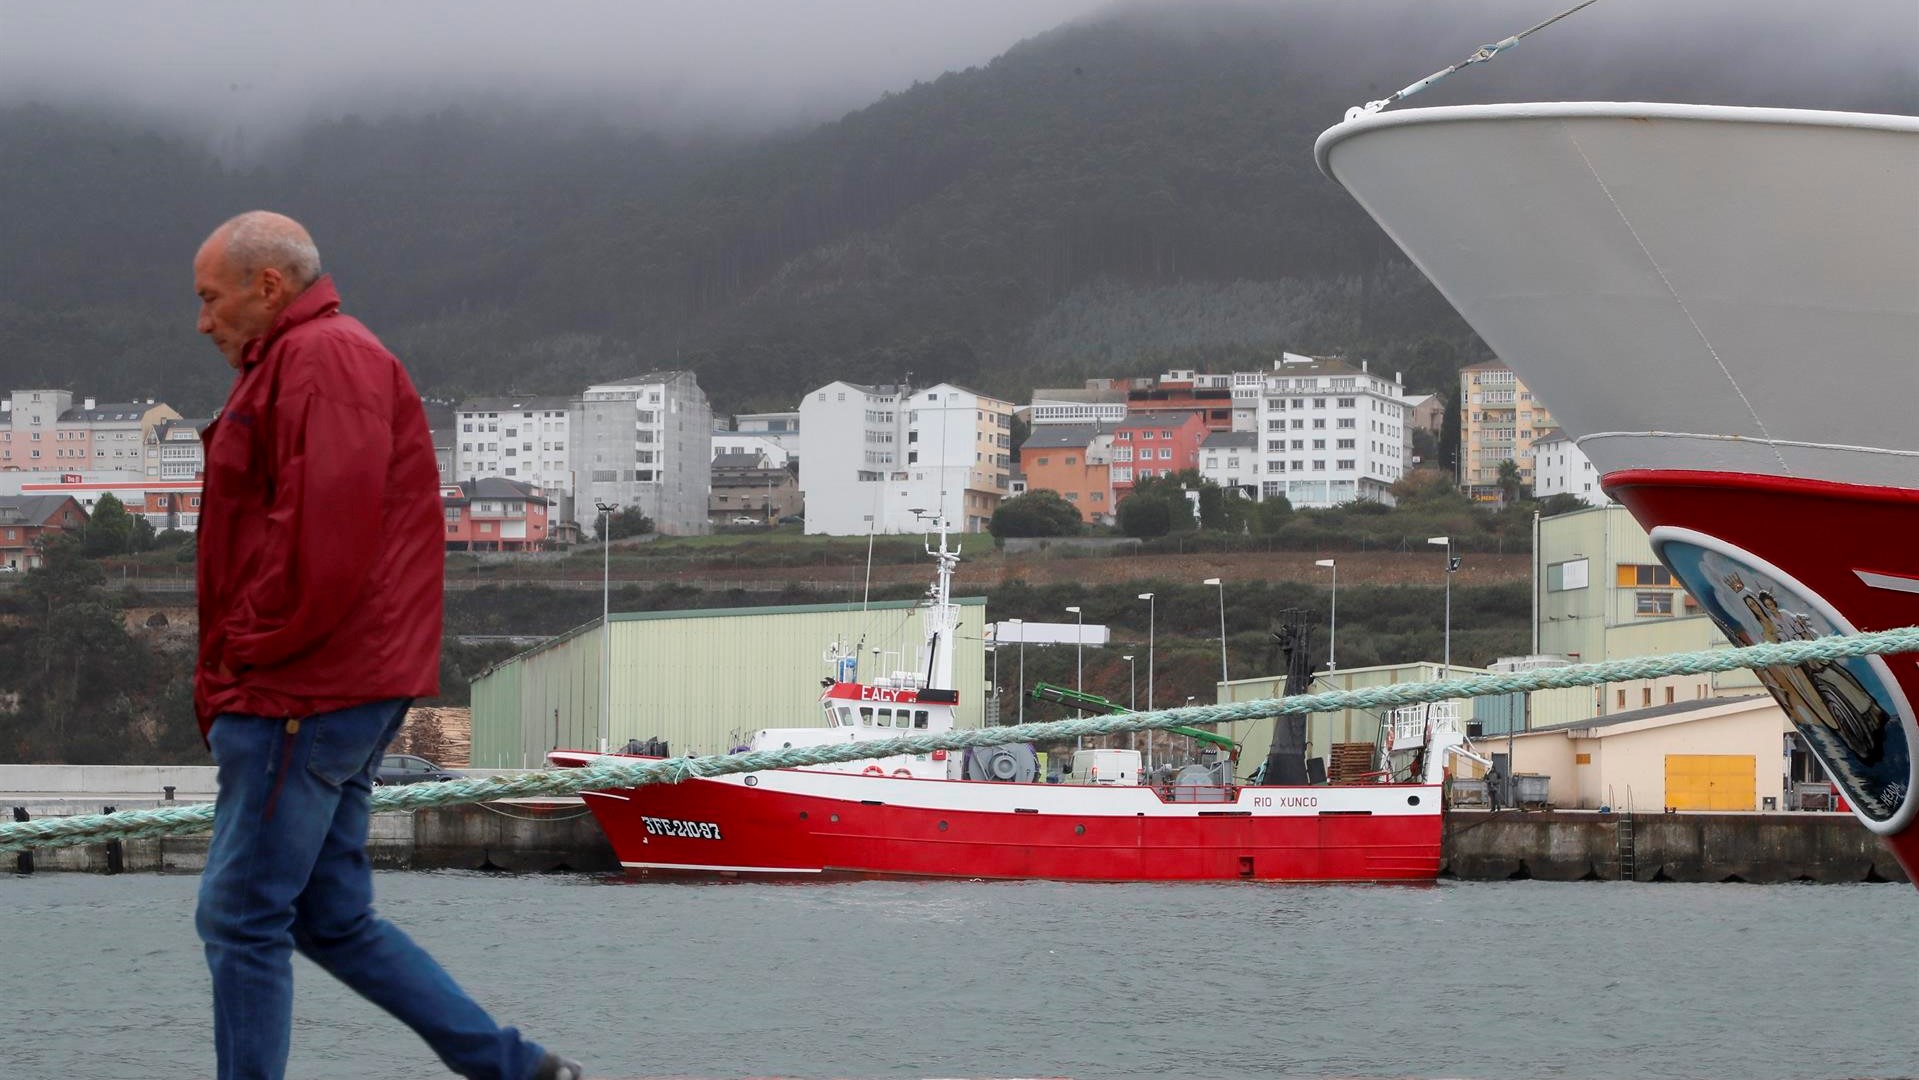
[321,542]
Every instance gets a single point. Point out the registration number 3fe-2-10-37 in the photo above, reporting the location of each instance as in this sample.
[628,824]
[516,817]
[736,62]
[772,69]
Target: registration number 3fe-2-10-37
[691,830]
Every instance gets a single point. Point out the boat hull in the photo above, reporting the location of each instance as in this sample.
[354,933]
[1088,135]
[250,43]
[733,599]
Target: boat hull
[809,824]
[1722,305]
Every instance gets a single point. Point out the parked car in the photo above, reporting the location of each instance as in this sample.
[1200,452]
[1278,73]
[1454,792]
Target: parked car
[408,769]
[744,520]
[793,519]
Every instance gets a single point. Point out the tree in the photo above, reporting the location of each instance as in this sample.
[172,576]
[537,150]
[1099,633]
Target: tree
[1563,502]
[1510,482]
[628,522]
[1272,514]
[1039,512]
[1145,517]
[109,529]
[79,673]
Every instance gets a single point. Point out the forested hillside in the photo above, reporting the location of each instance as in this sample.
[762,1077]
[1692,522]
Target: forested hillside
[1117,195]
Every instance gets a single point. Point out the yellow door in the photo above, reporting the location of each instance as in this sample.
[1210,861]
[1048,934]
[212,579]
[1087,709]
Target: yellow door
[1710,781]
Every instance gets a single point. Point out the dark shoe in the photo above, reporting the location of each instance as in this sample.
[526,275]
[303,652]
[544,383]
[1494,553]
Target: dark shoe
[555,1067]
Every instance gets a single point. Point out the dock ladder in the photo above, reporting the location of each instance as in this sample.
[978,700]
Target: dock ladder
[1623,834]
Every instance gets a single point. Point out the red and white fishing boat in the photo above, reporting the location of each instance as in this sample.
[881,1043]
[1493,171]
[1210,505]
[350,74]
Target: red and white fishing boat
[1722,305]
[989,815]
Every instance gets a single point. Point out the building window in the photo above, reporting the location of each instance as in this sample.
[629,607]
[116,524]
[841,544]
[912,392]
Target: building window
[1652,603]
[1630,575]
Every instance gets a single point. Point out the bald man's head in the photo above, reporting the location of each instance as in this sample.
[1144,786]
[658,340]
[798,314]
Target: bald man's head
[261,239]
[246,273]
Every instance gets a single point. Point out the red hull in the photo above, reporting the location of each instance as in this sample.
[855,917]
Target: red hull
[723,828]
[1763,553]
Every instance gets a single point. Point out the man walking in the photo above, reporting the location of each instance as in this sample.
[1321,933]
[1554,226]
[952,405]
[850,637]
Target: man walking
[320,603]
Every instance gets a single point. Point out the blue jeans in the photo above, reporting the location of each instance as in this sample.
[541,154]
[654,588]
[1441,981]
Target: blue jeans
[288,869]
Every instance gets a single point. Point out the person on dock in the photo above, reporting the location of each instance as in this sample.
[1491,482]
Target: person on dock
[319,580]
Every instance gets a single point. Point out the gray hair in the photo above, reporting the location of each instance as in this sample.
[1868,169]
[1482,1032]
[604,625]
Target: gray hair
[258,239]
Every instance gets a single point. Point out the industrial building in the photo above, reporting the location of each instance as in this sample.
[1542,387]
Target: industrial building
[703,680]
[1495,715]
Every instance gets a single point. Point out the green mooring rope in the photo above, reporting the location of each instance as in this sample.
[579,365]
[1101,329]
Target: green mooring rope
[614,773]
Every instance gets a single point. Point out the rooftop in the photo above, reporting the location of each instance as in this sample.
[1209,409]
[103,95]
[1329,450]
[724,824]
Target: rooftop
[1145,418]
[1677,708]
[1081,395]
[1061,436]
[109,410]
[512,404]
[1231,440]
[30,509]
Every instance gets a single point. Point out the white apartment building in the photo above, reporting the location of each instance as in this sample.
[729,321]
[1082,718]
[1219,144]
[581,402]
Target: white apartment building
[645,441]
[1561,468]
[759,446]
[1330,433]
[526,439]
[887,459]
[1103,405]
[174,450]
[782,429]
[1231,459]
[1248,388]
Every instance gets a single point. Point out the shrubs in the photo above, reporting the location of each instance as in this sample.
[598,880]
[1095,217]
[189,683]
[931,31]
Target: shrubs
[1037,513]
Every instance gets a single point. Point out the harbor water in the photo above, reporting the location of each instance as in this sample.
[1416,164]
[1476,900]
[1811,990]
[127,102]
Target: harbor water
[885,979]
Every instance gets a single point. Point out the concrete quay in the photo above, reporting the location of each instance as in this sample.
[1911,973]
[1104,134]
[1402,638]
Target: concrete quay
[1574,845]
[518,835]
[544,835]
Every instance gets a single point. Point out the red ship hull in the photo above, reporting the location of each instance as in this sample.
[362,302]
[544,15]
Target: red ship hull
[1772,557]
[807,824]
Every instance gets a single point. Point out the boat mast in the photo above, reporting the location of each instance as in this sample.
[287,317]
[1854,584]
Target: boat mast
[942,616]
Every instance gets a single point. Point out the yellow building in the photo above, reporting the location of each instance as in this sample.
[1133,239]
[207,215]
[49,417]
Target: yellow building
[1723,754]
[1498,420]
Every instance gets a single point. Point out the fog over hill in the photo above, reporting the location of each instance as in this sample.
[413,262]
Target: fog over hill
[531,201]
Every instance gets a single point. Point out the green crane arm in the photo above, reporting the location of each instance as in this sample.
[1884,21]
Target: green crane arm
[1094,703]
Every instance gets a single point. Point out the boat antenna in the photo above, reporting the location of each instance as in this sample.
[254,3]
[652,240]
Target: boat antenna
[1480,56]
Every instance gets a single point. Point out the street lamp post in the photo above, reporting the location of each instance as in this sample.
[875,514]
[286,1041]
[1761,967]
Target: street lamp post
[1223,677]
[1021,624]
[1452,565]
[606,626]
[1132,697]
[994,649]
[1148,597]
[1332,639]
[1079,649]
[1079,660]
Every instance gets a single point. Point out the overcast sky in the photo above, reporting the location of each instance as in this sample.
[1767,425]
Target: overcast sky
[756,63]
[759,64]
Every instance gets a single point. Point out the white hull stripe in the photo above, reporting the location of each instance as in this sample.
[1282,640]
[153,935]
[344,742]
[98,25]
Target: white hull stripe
[1889,582]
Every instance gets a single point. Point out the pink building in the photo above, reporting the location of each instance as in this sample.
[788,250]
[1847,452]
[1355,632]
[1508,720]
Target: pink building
[494,514]
[1150,444]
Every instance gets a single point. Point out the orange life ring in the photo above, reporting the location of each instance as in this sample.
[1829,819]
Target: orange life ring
[908,773]
[874,770]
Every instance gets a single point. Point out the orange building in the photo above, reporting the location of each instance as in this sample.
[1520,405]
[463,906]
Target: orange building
[494,514]
[1073,460]
[26,519]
